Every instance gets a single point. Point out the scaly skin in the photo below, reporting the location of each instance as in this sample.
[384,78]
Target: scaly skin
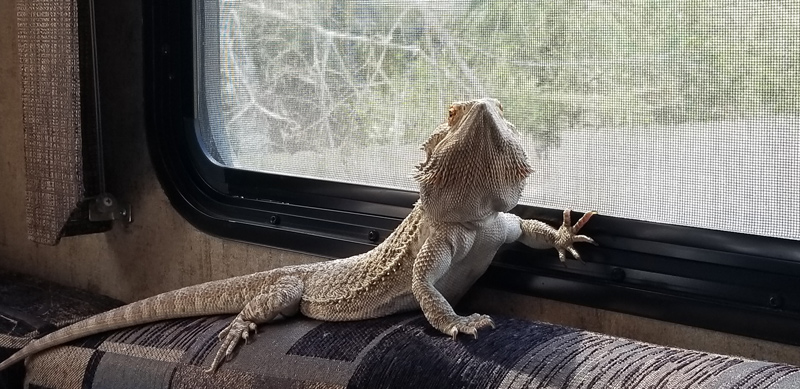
[473,174]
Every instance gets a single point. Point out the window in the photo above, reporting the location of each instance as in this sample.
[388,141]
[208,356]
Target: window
[297,124]
[674,112]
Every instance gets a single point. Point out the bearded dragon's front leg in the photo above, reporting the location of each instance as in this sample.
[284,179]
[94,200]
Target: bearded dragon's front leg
[438,253]
[539,235]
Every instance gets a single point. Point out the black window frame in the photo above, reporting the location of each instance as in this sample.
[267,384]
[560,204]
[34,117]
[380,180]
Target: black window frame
[736,283]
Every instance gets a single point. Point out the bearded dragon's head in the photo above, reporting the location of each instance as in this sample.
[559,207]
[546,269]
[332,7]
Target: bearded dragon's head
[474,164]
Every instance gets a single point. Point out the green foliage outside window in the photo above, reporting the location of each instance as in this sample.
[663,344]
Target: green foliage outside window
[356,69]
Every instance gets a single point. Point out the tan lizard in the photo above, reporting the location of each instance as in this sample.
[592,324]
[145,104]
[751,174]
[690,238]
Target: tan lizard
[474,172]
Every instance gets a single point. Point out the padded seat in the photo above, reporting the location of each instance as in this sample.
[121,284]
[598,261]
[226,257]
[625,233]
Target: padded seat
[400,351]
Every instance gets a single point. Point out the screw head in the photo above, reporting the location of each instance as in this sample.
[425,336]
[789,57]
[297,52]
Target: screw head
[373,236]
[618,274]
[775,301]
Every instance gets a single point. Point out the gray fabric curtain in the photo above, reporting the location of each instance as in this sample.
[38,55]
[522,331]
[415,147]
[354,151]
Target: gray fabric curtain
[47,32]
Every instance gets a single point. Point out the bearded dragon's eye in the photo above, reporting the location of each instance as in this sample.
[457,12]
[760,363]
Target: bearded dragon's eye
[451,114]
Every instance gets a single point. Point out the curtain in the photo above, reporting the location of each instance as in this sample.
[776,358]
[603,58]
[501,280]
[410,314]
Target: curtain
[50,71]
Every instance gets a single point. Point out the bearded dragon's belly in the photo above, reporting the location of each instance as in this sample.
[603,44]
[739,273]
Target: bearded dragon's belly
[464,271]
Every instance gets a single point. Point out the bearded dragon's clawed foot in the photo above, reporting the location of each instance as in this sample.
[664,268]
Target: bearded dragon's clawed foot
[229,337]
[566,236]
[467,324]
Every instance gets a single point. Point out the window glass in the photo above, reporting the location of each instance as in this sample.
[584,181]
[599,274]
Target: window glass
[680,112]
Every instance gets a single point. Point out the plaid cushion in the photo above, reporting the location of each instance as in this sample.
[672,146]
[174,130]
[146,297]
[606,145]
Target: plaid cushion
[392,352]
[31,308]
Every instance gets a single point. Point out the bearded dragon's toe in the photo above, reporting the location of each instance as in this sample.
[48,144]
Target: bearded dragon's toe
[453,332]
[562,257]
[574,253]
[584,239]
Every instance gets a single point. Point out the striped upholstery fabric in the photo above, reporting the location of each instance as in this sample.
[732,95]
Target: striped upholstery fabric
[400,351]
[30,308]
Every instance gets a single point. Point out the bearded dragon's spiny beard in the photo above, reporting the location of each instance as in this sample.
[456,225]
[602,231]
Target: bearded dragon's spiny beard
[474,164]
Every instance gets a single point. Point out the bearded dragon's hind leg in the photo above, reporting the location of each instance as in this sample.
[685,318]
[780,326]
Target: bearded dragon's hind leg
[282,297]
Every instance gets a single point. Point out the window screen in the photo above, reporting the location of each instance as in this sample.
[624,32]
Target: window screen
[679,112]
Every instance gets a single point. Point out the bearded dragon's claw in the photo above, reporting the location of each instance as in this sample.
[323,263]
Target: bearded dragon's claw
[230,336]
[453,332]
[566,236]
[467,325]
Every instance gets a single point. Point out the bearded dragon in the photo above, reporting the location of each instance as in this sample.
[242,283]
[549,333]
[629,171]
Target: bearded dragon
[473,173]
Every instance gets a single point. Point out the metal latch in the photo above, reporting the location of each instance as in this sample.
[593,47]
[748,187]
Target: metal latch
[106,207]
